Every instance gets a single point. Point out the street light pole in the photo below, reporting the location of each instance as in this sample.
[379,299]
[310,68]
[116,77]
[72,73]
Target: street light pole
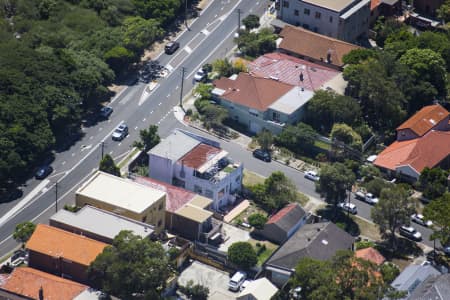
[56,196]
[239,19]
[185,14]
[183,70]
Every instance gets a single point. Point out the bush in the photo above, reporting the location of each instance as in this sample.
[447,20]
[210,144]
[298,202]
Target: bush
[242,255]
[195,291]
[189,112]
[364,244]
[389,271]
[257,220]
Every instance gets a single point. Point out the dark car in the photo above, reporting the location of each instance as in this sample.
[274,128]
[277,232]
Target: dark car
[105,112]
[43,172]
[171,47]
[262,155]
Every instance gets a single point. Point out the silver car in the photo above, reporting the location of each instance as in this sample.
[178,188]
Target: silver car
[120,133]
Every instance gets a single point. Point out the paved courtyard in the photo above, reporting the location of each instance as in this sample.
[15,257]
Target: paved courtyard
[233,234]
[214,279]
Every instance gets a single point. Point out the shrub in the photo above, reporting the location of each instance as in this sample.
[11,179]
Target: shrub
[364,244]
[257,220]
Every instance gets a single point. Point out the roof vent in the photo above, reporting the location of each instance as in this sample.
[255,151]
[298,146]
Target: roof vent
[325,242]
[274,78]
[432,121]
[318,229]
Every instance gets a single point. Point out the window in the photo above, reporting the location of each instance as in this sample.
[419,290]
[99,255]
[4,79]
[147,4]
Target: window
[286,4]
[306,12]
[209,193]
[318,15]
[198,189]
[275,116]
[159,223]
[331,19]
[221,193]
[296,12]
[144,219]
[160,206]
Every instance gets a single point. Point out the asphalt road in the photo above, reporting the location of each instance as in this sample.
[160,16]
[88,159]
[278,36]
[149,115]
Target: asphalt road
[209,37]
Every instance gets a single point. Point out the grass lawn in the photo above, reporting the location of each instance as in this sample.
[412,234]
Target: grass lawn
[302,198]
[253,208]
[263,255]
[129,156]
[367,229]
[251,178]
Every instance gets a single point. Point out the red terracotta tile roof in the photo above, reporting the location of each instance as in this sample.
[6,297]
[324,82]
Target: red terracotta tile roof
[374,4]
[425,119]
[426,151]
[370,254]
[27,282]
[199,155]
[56,242]
[287,69]
[281,213]
[251,91]
[176,197]
[314,45]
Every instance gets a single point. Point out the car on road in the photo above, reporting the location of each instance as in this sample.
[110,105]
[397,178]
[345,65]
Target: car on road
[263,155]
[237,280]
[348,207]
[120,133]
[369,197]
[420,219]
[312,175]
[43,171]
[200,75]
[105,112]
[171,47]
[410,233]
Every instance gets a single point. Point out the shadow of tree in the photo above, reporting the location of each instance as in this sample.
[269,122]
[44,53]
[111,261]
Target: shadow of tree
[405,248]
[341,219]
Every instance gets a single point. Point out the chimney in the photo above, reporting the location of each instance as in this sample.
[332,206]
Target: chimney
[329,57]
[41,293]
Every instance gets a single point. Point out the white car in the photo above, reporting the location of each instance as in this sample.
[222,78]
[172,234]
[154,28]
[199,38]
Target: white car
[350,207]
[420,219]
[312,175]
[200,75]
[371,199]
[410,232]
[237,280]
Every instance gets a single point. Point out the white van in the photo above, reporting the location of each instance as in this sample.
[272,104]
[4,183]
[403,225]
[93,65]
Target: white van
[237,280]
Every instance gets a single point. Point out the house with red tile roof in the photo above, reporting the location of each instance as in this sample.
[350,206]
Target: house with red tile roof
[187,213]
[30,283]
[314,47]
[261,103]
[422,141]
[282,225]
[62,253]
[371,254]
[292,70]
[197,164]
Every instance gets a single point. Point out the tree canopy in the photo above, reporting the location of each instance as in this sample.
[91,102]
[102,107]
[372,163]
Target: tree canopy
[107,165]
[438,211]
[23,231]
[299,138]
[334,181]
[393,210]
[131,266]
[433,182]
[149,138]
[256,43]
[243,255]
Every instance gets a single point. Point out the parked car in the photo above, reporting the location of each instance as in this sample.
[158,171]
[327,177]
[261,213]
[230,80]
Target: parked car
[105,112]
[263,155]
[410,233]
[349,207]
[420,219]
[200,75]
[369,198]
[43,172]
[237,280]
[171,47]
[120,133]
[312,175]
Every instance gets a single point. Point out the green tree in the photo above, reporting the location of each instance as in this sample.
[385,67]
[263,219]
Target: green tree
[195,291]
[256,43]
[433,182]
[139,33]
[392,211]
[257,220]
[223,67]
[242,255]
[427,65]
[23,232]
[203,90]
[276,191]
[213,116]
[265,139]
[334,181]
[376,185]
[251,21]
[327,108]
[438,211]
[369,172]
[443,12]
[131,266]
[107,165]
[299,138]
[358,55]
[149,138]
[389,271]
[344,133]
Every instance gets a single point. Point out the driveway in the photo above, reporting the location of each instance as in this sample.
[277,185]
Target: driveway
[214,279]
[233,235]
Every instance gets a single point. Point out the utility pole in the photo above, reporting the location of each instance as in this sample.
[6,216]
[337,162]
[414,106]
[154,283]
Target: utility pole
[56,196]
[185,14]
[183,70]
[239,19]
[102,144]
